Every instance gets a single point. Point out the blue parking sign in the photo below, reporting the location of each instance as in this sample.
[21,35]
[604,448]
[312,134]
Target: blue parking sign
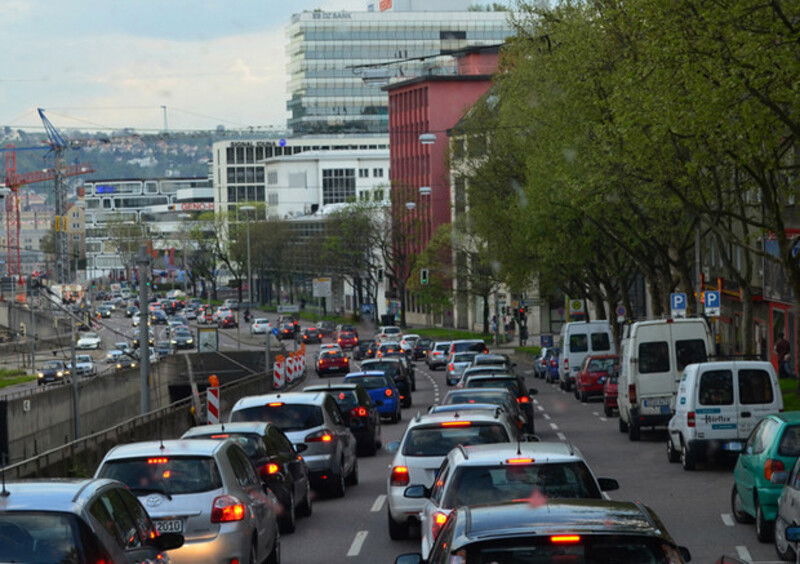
[547,341]
[712,303]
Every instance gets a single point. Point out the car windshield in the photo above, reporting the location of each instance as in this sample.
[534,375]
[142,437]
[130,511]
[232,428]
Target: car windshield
[438,440]
[173,475]
[616,549]
[469,396]
[53,365]
[601,364]
[476,346]
[40,537]
[83,358]
[90,336]
[285,416]
[388,367]
[477,485]
[369,382]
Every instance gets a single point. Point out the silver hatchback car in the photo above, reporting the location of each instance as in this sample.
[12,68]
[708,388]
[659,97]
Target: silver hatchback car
[313,420]
[207,490]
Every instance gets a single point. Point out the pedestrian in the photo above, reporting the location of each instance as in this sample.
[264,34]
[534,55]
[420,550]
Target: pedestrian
[494,328]
[782,349]
[523,335]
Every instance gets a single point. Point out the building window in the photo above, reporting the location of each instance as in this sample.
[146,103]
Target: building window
[272,177]
[338,185]
[378,195]
[363,173]
[273,199]
[377,172]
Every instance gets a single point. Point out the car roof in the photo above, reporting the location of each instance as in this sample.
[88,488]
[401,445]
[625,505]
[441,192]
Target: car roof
[468,341]
[382,359]
[434,418]
[520,519]
[51,494]
[172,447]
[487,368]
[438,343]
[290,397]
[464,391]
[490,356]
[259,427]
[788,416]
[366,373]
[332,387]
[470,407]
[555,451]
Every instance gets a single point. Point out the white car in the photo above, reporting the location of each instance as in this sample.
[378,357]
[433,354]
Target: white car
[84,365]
[260,326]
[390,332]
[89,341]
[221,313]
[408,342]
[135,319]
[426,441]
[113,355]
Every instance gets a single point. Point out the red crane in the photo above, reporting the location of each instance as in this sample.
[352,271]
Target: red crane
[14,181]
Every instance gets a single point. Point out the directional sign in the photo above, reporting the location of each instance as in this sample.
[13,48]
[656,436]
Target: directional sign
[712,304]
[677,303]
[547,341]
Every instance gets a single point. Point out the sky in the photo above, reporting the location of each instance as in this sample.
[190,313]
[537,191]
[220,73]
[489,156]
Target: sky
[96,64]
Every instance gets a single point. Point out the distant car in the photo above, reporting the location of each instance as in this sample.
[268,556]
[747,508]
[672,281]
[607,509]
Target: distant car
[125,362]
[104,311]
[387,332]
[347,339]
[227,322]
[610,385]
[437,356]
[130,311]
[260,326]
[182,339]
[592,374]
[231,304]
[365,349]
[150,339]
[392,367]
[52,371]
[84,365]
[332,361]
[312,335]
[89,341]
[135,319]
[163,348]
[190,313]
[456,364]
[358,411]
[113,355]
[158,317]
[381,388]
[327,328]
[464,345]
[542,361]
[388,348]
[78,520]
[421,348]
[286,331]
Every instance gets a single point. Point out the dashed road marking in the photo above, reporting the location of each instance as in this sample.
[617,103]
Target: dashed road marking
[358,542]
[596,413]
[536,401]
[554,427]
[561,436]
[546,416]
[540,408]
[743,553]
[603,419]
[727,518]
[378,505]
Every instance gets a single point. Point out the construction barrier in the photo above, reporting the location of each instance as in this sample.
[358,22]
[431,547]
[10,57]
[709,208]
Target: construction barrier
[278,373]
[212,397]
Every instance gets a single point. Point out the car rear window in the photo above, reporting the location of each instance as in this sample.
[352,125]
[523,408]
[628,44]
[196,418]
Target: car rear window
[602,364]
[442,347]
[251,443]
[477,485]
[388,367]
[690,352]
[345,399]
[755,386]
[39,537]
[464,357]
[285,416]
[619,549]
[653,357]
[369,382]
[475,346]
[491,361]
[480,397]
[601,342]
[171,475]
[790,442]
[510,384]
[716,388]
[438,440]
[578,342]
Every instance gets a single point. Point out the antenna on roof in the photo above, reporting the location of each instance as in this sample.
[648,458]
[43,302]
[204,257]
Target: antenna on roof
[4,492]
[519,446]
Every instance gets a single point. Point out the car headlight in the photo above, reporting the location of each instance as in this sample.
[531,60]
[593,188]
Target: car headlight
[189,341]
[60,373]
[174,342]
[119,365]
[40,374]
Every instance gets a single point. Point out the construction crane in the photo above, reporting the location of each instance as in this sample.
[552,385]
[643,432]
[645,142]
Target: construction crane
[14,181]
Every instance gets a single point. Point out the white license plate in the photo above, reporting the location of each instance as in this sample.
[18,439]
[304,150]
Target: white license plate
[656,402]
[733,446]
[169,525]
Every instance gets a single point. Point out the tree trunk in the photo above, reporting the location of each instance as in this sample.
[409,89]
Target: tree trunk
[655,294]
[748,331]
[485,313]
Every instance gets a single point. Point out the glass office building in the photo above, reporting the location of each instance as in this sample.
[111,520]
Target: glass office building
[327,95]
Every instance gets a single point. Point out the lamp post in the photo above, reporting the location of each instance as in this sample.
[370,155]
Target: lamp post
[249,264]
[184,216]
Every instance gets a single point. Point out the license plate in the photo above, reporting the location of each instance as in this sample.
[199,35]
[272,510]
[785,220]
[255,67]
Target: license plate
[169,525]
[733,446]
[656,402]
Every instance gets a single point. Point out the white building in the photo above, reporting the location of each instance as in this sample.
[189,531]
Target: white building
[239,170]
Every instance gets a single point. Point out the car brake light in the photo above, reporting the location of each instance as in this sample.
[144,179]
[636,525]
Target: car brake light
[519,460]
[690,421]
[160,460]
[456,423]
[437,521]
[388,392]
[275,404]
[358,412]
[322,436]
[399,476]
[225,436]
[566,364]
[451,367]
[544,362]
[632,393]
[340,339]
[346,360]
[565,539]
[227,508]
[771,466]
[523,399]
[269,469]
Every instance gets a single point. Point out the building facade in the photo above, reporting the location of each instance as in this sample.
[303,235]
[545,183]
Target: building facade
[334,86]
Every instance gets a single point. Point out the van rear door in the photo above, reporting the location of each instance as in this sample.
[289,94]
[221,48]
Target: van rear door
[758,396]
[716,412]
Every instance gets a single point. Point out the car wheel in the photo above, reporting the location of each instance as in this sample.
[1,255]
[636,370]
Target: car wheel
[583,397]
[764,528]
[397,531]
[275,556]
[739,514]
[687,457]
[305,509]
[337,483]
[288,520]
[253,558]
[782,547]
[575,393]
[623,427]
[352,477]
[634,432]
[673,454]
[608,410]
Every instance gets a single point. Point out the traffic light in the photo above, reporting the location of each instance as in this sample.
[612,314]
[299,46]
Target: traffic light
[423,276]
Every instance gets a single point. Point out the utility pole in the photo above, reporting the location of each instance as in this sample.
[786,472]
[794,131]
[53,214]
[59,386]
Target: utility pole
[143,262]
[267,354]
[73,374]
[164,109]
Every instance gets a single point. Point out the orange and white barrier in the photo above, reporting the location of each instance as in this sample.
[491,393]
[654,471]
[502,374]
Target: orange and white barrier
[212,399]
[278,373]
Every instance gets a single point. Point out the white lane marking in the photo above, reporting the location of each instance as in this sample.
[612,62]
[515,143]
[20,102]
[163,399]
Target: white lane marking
[378,505]
[536,401]
[561,436]
[546,416]
[358,542]
[603,419]
[727,518]
[554,427]
[596,413]
[540,408]
[744,554]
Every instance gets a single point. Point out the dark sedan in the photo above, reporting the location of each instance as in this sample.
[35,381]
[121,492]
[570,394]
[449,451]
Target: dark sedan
[359,412]
[182,339]
[365,349]
[312,335]
[286,331]
[392,367]
[228,322]
[421,348]
[52,371]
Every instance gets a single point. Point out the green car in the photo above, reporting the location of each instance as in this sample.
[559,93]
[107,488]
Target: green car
[773,446]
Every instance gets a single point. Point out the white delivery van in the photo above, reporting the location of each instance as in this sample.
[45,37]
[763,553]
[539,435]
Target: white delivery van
[579,339]
[718,404]
[652,359]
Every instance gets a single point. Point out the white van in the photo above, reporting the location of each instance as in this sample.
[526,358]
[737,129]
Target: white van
[718,404]
[652,359]
[579,339]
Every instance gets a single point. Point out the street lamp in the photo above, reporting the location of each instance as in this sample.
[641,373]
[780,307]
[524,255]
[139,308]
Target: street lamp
[184,216]
[249,266]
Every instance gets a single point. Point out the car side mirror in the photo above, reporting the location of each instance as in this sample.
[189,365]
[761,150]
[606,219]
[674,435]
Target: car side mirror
[779,478]
[685,554]
[393,447]
[168,541]
[408,559]
[417,491]
[302,447]
[608,484]
[533,391]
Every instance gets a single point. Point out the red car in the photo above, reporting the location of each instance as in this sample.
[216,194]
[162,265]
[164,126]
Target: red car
[610,395]
[228,322]
[347,340]
[595,368]
[332,361]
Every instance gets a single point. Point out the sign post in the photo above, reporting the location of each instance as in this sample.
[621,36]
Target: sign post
[677,304]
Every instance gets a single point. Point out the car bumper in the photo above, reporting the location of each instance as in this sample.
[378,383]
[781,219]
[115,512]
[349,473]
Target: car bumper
[591,388]
[401,508]
[705,449]
[232,541]
[319,463]
[388,408]
[649,420]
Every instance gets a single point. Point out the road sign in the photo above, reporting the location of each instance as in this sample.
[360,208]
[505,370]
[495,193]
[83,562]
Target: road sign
[321,287]
[677,303]
[547,341]
[288,308]
[575,306]
[712,303]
